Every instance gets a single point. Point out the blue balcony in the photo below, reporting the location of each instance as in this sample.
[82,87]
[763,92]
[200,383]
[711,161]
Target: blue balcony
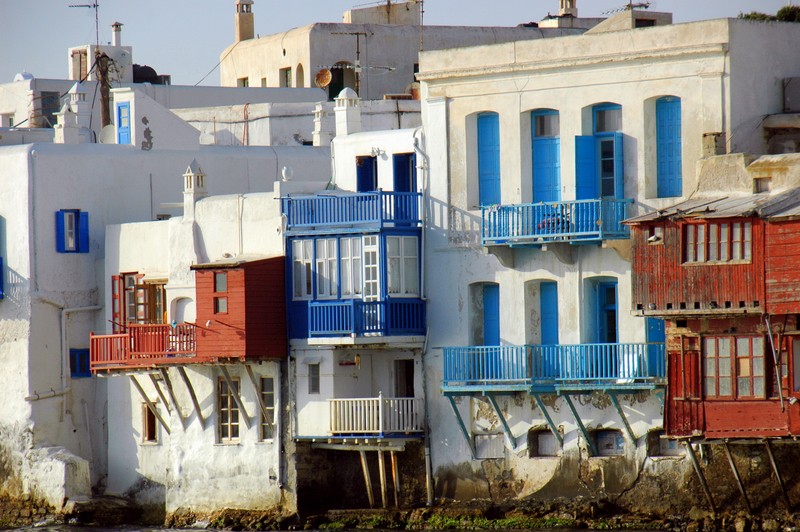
[360,211]
[354,317]
[553,368]
[578,222]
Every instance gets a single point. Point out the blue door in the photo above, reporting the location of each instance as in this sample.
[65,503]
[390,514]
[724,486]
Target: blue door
[489,158]
[546,156]
[585,168]
[366,174]
[124,123]
[405,182]
[607,312]
[656,336]
[668,147]
[491,314]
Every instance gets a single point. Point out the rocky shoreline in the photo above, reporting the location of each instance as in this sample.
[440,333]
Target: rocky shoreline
[578,513]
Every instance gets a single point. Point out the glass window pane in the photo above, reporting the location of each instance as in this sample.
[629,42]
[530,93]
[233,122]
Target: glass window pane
[711,367]
[710,386]
[710,346]
[724,367]
[743,347]
[758,346]
[724,386]
[220,282]
[725,347]
[743,387]
[758,387]
[758,367]
[743,367]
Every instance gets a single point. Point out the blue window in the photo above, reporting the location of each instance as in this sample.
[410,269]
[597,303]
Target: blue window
[79,363]
[546,156]
[548,309]
[491,314]
[366,174]
[72,231]
[489,158]
[599,158]
[668,147]
[124,123]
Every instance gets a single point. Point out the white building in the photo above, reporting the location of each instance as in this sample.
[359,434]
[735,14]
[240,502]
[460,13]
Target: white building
[538,149]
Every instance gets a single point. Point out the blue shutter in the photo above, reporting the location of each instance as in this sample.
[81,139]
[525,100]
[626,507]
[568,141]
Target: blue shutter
[655,334]
[83,232]
[619,167]
[546,169]
[491,314]
[60,232]
[404,172]
[124,123]
[489,158]
[79,363]
[668,147]
[585,168]
[2,280]
[548,309]
[366,174]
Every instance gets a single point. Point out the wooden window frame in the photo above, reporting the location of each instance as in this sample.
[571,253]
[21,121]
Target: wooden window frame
[220,295]
[149,426]
[228,429]
[740,367]
[714,243]
[267,431]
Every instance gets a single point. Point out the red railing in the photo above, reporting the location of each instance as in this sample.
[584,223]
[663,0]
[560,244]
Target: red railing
[144,345]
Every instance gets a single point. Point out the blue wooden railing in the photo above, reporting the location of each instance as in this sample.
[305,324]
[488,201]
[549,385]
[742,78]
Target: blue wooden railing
[557,366]
[376,209]
[562,221]
[393,317]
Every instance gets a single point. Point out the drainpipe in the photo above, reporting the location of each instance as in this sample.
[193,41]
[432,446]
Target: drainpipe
[425,168]
[427,441]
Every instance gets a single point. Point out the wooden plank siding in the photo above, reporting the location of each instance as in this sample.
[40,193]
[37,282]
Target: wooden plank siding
[662,284]
[254,325]
[783,267]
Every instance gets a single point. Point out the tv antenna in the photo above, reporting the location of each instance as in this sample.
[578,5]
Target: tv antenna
[630,6]
[94,5]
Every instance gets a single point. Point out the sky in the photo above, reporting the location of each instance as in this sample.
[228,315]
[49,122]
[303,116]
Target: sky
[184,38]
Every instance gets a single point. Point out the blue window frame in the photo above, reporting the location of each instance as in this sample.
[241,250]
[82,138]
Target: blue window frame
[599,164]
[366,174]
[607,327]
[72,231]
[79,363]
[489,158]
[546,146]
[491,314]
[668,147]
[124,123]
[548,311]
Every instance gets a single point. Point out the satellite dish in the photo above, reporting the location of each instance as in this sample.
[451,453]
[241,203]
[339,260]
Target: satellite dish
[108,135]
[323,78]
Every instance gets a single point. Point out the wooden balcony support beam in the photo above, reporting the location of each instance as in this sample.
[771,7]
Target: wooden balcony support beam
[510,439]
[382,476]
[736,476]
[259,396]
[700,475]
[395,479]
[463,427]
[160,392]
[149,403]
[589,442]
[778,477]
[171,393]
[367,480]
[615,402]
[193,396]
[547,418]
[237,395]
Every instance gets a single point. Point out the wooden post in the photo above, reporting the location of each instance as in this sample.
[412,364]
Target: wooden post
[778,476]
[367,480]
[193,396]
[738,479]
[700,475]
[396,479]
[382,473]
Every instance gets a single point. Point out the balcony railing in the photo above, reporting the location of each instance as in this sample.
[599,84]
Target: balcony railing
[553,367]
[394,317]
[376,415]
[144,345]
[362,209]
[562,221]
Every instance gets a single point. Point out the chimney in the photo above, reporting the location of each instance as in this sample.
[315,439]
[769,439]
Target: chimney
[322,133]
[348,112]
[244,20]
[116,34]
[568,8]
[194,188]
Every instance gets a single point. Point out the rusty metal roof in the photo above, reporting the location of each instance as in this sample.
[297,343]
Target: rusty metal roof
[782,205]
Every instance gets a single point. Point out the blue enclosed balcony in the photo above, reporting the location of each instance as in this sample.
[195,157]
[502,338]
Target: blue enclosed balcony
[359,211]
[577,222]
[553,368]
[355,317]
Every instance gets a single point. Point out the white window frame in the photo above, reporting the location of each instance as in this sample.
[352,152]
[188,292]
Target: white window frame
[70,231]
[371,276]
[228,431]
[301,269]
[327,273]
[351,264]
[402,263]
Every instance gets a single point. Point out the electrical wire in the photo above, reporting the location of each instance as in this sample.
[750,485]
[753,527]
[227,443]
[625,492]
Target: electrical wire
[218,64]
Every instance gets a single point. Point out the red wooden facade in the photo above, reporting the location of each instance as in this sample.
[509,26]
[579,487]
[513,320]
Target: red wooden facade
[733,340]
[252,324]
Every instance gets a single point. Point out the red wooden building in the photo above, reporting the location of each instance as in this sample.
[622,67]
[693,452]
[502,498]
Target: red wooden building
[724,273]
[241,316]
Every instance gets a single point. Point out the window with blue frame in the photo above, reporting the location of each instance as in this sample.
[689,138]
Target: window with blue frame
[79,363]
[668,147]
[72,231]
[488,158]
[366,174]
[606,330]
[599,158]
[546,145]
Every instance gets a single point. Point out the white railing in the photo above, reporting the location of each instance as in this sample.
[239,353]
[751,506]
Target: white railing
[375,415]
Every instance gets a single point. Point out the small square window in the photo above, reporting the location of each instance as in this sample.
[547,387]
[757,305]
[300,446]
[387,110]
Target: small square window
[220,282]
[609,442]
[313,379]
[72,231]
[220,305]
[149,425]
[542,443]
[79,363]
[659,445]
[489,446]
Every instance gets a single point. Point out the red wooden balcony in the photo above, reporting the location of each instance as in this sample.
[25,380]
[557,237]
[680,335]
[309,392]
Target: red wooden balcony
[145,346]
